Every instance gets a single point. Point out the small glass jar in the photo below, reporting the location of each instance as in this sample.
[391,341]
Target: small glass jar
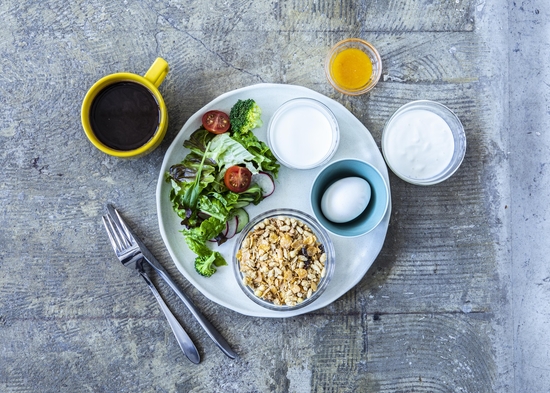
[353,66]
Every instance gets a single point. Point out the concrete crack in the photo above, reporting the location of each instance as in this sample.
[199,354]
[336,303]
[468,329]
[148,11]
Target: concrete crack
[223,60]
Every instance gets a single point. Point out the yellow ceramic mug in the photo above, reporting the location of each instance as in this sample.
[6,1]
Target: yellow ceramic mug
[124,115]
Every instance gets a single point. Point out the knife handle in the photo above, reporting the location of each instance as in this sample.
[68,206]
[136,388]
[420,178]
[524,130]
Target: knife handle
[183,339]
[205,323]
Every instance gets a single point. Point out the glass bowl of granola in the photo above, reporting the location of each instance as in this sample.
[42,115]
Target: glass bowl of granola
[283,259]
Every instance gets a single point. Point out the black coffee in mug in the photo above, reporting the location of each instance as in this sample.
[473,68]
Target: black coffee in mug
[124,115]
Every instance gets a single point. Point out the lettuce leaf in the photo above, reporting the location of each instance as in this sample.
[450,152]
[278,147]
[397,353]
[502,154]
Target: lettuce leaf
[215,205]
[263,157]
[226,152]
[198,141]
[196,239]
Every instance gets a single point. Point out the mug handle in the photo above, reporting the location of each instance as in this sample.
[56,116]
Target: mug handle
[157,72]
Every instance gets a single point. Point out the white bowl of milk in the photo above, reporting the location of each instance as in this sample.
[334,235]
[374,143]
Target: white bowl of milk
[303,133]
[424,142]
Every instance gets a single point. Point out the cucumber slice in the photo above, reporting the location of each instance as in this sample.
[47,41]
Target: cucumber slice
[242,218]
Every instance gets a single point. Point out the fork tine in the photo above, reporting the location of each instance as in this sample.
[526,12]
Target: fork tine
[124,244]
[120,224]
[121,233]
[110,232]
[118,234]
[124,227]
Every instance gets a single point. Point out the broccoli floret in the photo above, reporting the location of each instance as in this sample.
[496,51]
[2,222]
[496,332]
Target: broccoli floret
[244,116]
[205,265]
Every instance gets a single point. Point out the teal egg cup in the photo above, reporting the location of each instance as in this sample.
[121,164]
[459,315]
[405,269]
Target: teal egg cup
[373,213]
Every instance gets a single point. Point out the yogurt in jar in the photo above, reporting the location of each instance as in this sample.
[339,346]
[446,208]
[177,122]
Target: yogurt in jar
[303,133]
[418,144]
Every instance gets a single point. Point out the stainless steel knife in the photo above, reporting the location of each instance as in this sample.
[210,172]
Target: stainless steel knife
[155,264]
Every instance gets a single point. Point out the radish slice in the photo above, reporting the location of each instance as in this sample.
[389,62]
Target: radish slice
[232,225]
[265,181]
[224,232]
[203,216]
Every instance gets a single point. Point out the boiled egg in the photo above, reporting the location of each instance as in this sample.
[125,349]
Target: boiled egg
[345,199]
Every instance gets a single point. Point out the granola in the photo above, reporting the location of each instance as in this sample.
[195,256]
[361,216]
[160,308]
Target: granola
[282,260]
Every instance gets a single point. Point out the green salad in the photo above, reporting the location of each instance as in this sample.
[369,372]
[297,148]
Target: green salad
[226,169]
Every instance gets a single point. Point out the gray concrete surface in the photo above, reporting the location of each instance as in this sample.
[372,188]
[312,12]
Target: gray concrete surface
[458,299]
[528,155]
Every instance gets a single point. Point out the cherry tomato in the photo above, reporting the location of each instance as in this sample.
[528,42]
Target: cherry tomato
[237,178]
[216,122]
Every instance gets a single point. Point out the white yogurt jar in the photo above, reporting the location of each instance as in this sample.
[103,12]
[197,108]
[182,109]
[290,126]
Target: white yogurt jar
[303,133]
[424,142]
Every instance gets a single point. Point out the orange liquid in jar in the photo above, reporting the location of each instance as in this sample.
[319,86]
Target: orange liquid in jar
[351,69]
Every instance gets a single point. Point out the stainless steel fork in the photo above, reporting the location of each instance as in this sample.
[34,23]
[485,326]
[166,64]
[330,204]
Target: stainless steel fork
[128,252]
[212,332]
